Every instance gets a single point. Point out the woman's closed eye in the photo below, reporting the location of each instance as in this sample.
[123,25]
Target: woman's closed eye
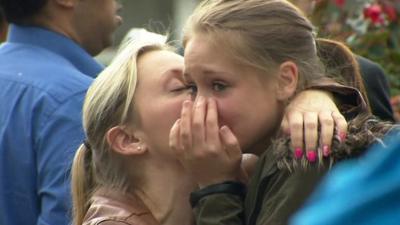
[180,88]
[191,88]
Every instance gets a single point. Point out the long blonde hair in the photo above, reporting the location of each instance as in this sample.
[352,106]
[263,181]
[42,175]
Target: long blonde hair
[108,103]
[265,33]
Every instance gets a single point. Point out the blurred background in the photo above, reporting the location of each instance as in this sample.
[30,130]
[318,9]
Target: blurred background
[157,15]
[371,28]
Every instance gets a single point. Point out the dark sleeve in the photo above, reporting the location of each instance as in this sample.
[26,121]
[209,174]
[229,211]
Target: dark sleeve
[285,194]
[219,204]
[377,88]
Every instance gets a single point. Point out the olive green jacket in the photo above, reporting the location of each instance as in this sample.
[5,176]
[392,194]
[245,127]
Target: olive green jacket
[280,185]
[273,195]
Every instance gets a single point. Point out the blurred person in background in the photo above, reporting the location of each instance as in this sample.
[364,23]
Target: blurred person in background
[3,27]
[46,66]
[375,80]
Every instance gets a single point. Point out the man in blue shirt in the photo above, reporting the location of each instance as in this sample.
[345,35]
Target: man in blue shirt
[46,66]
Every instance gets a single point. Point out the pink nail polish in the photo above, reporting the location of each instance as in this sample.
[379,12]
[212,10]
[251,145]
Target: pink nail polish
[298,153]
[311,156]
[342,136]
[326,151]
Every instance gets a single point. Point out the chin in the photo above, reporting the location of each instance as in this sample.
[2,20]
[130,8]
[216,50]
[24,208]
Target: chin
[257,147]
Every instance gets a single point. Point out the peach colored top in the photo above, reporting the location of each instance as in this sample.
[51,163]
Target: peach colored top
[112,208]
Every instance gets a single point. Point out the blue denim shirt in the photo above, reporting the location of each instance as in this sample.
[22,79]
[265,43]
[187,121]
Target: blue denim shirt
[43,80]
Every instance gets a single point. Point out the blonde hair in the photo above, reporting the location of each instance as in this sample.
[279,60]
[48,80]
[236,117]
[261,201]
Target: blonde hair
[108,103]
[265,33]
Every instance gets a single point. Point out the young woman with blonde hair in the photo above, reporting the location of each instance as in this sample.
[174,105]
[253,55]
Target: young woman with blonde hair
[246,60]
[125,173]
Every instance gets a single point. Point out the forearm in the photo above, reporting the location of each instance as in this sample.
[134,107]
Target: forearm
[348,99]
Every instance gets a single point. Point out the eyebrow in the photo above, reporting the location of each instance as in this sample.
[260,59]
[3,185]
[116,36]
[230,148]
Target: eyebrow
[174,72]
[207,71]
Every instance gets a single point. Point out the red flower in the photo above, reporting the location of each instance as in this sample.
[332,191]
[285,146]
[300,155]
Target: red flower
[395,100]
[340,3]
[390,12]
[375,13]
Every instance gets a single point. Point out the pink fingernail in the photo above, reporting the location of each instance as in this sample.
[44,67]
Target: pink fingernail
[326,151]
[342,136]
[298,153]
[311,156]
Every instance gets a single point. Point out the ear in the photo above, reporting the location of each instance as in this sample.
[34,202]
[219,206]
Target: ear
[124,142]
[287,80]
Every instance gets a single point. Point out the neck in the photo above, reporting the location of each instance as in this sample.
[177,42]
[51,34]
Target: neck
[59,20]
[165,191]
[57,25]
[258,148]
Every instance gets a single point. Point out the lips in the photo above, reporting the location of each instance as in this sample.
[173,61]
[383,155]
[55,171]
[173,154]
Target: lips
[119,19]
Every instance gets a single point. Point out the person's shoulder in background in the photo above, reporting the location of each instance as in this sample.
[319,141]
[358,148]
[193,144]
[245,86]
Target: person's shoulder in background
[377,87]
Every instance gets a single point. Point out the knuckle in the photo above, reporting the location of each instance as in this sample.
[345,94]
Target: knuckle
[197,125]
[296,125]
[185,136]
[185,113]
[210,121]
[232,144]
[310,125]
[213,149]
[327,121]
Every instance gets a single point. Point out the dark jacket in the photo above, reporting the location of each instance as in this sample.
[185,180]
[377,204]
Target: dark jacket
[281,184]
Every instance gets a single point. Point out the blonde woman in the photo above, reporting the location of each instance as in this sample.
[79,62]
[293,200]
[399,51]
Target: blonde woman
[125,172]
[246,60]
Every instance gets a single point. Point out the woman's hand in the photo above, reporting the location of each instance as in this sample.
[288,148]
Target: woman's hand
[210,153]
[308,111]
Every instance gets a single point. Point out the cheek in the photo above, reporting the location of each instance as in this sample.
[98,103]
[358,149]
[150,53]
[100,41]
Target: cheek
[174,111]
[157,121]
[227,112]
[250,119]
[167,113]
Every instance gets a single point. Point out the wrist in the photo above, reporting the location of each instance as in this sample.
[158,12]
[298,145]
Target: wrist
[227,187]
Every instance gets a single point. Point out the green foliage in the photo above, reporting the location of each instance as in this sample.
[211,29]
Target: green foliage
[370,27]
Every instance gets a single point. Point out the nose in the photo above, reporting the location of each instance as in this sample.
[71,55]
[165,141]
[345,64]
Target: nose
[206,98]
[198,97]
